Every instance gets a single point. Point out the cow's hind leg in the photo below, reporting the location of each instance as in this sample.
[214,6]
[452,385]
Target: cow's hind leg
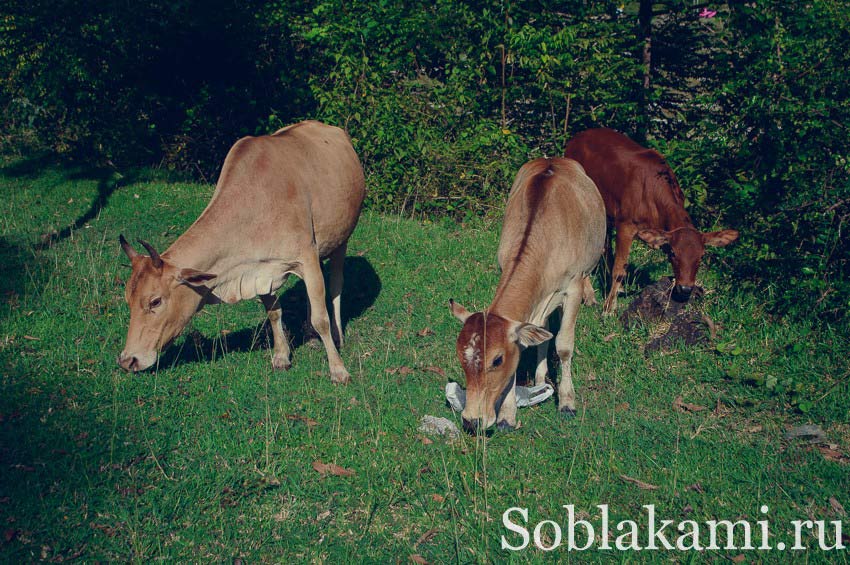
[541,373]
[280,359]
[565,345]
[336,262]
[588,295]
[315,283]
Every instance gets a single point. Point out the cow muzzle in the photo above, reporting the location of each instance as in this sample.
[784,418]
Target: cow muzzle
[473,426]
[134,363]
[682,293]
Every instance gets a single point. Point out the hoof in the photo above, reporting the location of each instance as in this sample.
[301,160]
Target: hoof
[567,412]
[505,426]
[281,363]
[340,376]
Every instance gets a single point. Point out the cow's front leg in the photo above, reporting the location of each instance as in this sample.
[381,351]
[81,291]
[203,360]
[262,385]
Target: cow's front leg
[506,418]
[315,283]
[280,358]
[625,236]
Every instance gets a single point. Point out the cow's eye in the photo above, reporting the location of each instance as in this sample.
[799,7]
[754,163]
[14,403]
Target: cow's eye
[497,361]
[155,303]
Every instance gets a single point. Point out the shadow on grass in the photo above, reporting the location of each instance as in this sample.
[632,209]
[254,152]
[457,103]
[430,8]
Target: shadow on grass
[108,181]
[30,167]
[52,451]
[637,277]
[360,290]
[15,268]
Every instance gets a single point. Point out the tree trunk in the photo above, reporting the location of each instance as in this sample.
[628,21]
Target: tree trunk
[645,35]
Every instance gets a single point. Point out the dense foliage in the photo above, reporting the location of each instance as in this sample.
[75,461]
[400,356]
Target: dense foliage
[445,99]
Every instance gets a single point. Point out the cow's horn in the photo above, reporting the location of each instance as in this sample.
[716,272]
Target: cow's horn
[157,260]
[128,249]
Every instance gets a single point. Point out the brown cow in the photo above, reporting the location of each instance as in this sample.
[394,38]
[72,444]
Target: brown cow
[642,197]
[552,236]
[282,204]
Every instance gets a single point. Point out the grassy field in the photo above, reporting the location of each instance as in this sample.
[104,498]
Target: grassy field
[212,456]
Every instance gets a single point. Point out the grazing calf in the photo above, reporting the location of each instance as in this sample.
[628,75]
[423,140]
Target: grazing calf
[642,197]
[282,204]
[552,236]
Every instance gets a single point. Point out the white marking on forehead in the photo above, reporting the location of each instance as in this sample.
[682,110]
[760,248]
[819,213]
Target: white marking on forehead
[472,355]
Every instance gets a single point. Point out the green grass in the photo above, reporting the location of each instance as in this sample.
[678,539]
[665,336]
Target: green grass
[210,457]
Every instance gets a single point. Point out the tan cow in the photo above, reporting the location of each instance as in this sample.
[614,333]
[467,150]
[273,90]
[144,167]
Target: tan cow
[282,204]
[552,236]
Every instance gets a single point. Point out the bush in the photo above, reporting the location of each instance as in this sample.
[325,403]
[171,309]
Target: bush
[445,100]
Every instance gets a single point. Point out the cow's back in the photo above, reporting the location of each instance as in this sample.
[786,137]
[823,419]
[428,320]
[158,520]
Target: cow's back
[635,182]
[333,175]
[554,218]
[277,191]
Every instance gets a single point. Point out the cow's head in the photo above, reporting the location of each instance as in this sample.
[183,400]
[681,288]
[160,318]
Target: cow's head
[685,248]
[162,300]
[488,349]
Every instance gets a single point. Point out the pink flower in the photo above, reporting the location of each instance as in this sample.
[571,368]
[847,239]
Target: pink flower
[706,13]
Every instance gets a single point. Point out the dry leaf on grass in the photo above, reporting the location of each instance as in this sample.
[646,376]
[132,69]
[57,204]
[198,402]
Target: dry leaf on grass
[331,469]
[609,337]
[416,558]
[836,506]
[425,332]
[738,558]
[696,487]
[719,409]
[681,406]
[831,454]
[438,497]
[712,327]
[298,418]
[437,370]
[400,371]
[639,483]
[427,536]
[323,515]
[621,407]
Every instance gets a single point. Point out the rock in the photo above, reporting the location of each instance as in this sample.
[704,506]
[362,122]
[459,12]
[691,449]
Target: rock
[434,425]
[809,432]
[655,305]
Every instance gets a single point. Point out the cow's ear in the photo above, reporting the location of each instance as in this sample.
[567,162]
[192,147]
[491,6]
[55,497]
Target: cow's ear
[459,311]
[528,335]
[194,277]
[654,238]
[720,238]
